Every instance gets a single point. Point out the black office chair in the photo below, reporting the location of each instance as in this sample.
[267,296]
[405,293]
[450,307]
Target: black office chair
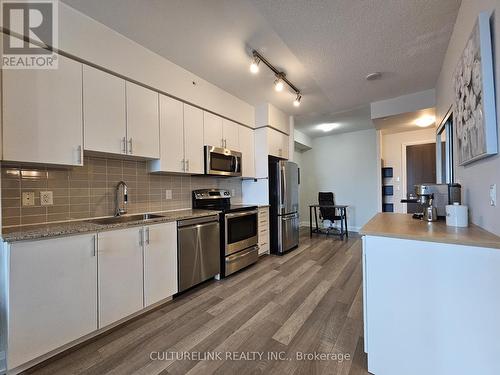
[328,213]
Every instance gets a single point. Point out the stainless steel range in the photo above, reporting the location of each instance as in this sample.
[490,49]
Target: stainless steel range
[239,228]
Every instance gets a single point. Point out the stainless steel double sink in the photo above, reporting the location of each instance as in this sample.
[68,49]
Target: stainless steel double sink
[125,219]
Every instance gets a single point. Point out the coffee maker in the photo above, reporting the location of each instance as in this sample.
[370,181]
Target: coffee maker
[433,198]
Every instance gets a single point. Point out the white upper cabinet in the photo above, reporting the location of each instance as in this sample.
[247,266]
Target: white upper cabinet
[160,262]
[277,143]
[193,140]
[42,114]
[212,130]
[171,137]
[120,274]
[219,132]
[104,112]
[52,295]
[247,148]
[231,135]
[268,115]
[143,123]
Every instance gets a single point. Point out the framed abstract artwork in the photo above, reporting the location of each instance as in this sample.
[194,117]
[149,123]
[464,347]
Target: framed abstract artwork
[475,121]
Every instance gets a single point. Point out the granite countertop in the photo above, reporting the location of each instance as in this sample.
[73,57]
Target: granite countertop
[34,232]
[405,227]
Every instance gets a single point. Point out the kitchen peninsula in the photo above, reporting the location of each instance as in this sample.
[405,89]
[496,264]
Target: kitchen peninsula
[430,306]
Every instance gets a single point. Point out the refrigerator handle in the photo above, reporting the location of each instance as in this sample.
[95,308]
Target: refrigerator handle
[298,176]
[283,185]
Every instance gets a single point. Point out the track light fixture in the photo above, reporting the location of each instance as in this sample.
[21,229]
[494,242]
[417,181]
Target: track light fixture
[296,102]
[280,81]
[254,66]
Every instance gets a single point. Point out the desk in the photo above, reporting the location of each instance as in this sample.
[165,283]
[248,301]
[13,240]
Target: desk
[343,215]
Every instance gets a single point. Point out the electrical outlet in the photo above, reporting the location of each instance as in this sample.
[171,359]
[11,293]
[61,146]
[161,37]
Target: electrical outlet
[28,198]
[168,194]
[46,198]
[493,195]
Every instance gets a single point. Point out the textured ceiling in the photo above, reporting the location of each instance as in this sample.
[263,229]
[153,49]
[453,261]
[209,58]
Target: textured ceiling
[325,47]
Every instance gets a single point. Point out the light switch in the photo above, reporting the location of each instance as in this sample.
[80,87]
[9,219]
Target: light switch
[168,194]
[493,195]
[46,198]
[28,198]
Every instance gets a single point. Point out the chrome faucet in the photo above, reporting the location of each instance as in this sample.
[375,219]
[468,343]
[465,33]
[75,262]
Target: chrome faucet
[121,198]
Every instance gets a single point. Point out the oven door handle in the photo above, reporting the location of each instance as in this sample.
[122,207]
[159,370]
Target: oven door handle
[239,214]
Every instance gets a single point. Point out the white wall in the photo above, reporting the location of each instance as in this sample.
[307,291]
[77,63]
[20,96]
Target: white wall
[476,177]
[392,156]
[345,164]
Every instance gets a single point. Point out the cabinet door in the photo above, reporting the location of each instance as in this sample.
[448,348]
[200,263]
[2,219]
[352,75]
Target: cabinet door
[160,262]
[52,295]
[120,274]
[143,123]
[103,111]
[247,148]
[284,146]
[230,135]
[42,114]
[212,130]
[274,142]
[193,139]
[171,137]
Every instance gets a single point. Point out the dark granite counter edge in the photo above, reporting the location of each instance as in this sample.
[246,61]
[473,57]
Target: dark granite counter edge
[85,226]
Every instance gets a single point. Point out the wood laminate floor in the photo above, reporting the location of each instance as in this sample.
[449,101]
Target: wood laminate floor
[308,301]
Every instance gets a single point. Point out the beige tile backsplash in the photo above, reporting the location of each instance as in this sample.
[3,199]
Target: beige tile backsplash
[89,191]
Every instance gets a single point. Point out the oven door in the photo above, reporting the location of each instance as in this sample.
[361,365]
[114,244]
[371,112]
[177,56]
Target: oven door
[241,231]
[222,162]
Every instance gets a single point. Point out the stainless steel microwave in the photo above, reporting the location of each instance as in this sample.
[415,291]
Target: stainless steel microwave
[222,162]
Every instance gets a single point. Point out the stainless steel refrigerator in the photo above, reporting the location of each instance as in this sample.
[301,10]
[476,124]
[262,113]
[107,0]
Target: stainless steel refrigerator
[284,179]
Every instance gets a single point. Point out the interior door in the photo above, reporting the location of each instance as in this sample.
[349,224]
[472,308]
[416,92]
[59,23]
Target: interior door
[420,169]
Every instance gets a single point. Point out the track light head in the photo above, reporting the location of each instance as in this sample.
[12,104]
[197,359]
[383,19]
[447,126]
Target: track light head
[297,100]
[254,66]
[278,84]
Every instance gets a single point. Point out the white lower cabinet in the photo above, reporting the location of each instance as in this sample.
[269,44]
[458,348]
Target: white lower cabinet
[60,290]
[120,274]
[51,295]
[160,262]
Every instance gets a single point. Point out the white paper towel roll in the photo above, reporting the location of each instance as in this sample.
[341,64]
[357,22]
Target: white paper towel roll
[457,215]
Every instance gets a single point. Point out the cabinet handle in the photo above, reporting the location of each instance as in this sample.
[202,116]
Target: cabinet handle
[187,165]
[147,236]
[94,246]
[79,150]
[130,150]
[124,145]
[183,162]
[279,151]
[225,143]
[141,237]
